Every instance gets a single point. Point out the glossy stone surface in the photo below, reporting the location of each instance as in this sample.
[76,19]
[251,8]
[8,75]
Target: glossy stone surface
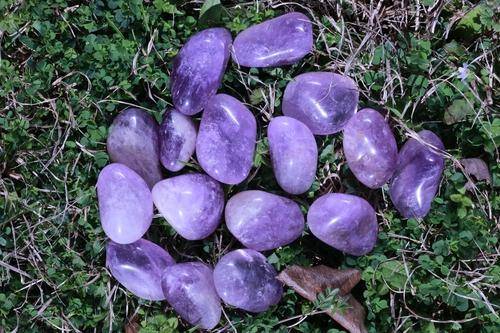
[263,221]
[345,222]
[370,148]
[192,204]
[198,69]
[417,176]
[189,289]
[125,203]
[323,101]
[283,40]
[244,279]
[139,267]
[177,140]
[226,139]
[294,154]
[133,141]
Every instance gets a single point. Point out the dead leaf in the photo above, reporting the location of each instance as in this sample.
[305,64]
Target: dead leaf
[309,281]
[477,168]
[132,326]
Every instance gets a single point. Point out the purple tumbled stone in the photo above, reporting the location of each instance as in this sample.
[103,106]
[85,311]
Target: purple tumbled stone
[323,101]
[370,148]
[345,222]
[189,289]
[125,203]
[244,279]
[133,141]
[192,204]
[177,140]
[418,174]
[198,69]
[139,267]
[283,40]
[263,221]
[294,154]
[226,140]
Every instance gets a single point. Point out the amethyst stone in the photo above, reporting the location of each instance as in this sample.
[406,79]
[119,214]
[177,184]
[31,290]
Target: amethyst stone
[323,101]
[189,288]
[139,267]
[125,203]
[418,174]
[370,148]
[226,139]
[177,140]
[198,69]
[263,221]
[294,154]
[192,204]
[283,40]
[133,141]
[345,222]
[244,279]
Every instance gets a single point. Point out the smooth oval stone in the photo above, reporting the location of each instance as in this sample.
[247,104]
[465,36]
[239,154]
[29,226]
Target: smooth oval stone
[139,267]
[177,140]
[263,221]
[417,177]
[198,69]
[323,101]
[370,148]
[189,289]
[345,222]
[125,203]
[294,154]
[133,141]
[226,140]
[192,204]
[283,40]
[244,279]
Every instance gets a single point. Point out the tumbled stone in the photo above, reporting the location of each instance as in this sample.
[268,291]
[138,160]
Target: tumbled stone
[323,101]
[263,221]
[133,141]
[226,140]
[345,222]
[244,279]
[283,40]
[139,267]
[125,203]
[177,140]
[418,174]
[198,69]
[192,204]
[294,154]
[189,289]
[370,148]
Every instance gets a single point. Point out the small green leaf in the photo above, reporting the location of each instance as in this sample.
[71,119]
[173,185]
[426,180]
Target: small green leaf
[457,111]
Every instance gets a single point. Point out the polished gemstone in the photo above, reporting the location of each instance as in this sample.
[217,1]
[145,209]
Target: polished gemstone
[263,221]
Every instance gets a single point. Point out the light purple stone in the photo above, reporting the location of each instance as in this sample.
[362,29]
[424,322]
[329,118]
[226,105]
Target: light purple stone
[189,289]
[133,141]
[192,204]
[323,101]
[294,154]
[198,69]
[244,279]
[283,40]
[125,203]
[345,222]
[139,267]
[417,177]
[226,140]
[370,148]
[263,221]
[177,140]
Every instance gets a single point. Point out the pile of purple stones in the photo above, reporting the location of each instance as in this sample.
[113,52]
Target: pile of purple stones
[317,103]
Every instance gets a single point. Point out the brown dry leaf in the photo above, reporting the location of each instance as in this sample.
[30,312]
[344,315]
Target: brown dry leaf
[309,281]
[132,326]
[477,168]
